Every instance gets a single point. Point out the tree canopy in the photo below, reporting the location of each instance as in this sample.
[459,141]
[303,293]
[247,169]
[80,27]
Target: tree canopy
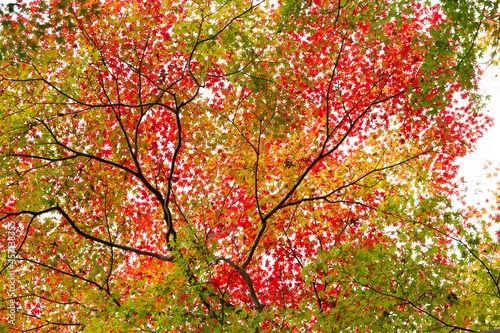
[238,166]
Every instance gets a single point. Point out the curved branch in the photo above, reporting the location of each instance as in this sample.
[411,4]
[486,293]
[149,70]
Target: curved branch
[87,236]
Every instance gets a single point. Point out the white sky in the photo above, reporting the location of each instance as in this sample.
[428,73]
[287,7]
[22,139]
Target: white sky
[488,147]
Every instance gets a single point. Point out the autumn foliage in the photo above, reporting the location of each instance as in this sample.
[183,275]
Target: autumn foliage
[239,166]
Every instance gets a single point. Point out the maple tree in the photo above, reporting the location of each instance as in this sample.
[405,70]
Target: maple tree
[237,166]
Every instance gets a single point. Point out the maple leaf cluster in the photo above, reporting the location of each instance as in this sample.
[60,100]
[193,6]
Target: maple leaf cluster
[239,166]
